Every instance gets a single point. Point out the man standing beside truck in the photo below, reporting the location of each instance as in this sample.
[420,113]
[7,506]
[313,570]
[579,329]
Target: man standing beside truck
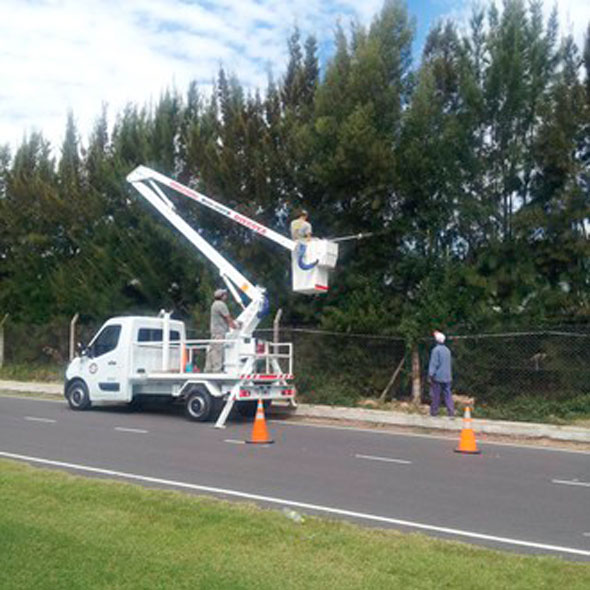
[220,322]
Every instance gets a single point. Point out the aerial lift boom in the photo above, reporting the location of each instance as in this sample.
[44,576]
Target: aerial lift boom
[311,262]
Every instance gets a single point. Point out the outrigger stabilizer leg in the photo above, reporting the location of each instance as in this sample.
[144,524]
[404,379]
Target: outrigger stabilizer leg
[229,404]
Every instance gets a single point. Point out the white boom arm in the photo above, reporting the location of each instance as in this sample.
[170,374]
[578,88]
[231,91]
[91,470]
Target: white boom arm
[143,173]
[145,184]
[311,260]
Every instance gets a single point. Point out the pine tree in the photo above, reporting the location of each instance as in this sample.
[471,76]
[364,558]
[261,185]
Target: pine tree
[356,134]
[561,196]
[28,227]
[165,131]
[586,59]
[311,70]
[294,84]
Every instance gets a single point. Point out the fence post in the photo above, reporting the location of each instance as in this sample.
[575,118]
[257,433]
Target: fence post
[275,325]
[275,336]
[73,323]
[416,381]
[392,380]
[2,339]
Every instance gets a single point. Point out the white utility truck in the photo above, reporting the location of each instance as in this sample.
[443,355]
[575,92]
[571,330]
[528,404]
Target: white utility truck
[133,358]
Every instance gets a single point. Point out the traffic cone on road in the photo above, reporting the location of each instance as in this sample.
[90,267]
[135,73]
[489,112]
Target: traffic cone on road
[259,431]
[467,442]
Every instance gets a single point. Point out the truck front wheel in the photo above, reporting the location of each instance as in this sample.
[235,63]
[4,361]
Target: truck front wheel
[77,395]
[199,405]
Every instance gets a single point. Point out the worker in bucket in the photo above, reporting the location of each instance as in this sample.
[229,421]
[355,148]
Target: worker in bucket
[220,322]
[301,234]
[440,376]
[300,227]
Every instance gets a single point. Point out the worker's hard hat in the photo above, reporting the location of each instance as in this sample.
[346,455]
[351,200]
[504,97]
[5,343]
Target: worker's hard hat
[219,293]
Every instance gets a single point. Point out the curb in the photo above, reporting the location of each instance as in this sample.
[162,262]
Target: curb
[523,429]
[30,387]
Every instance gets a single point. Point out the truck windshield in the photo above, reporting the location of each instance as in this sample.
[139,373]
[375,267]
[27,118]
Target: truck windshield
[107,340]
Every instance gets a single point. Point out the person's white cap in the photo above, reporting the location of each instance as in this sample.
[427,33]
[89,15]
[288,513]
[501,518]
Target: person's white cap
[219,293]
[439,336]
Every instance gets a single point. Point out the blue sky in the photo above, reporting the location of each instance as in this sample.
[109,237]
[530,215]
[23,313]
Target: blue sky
[57,55]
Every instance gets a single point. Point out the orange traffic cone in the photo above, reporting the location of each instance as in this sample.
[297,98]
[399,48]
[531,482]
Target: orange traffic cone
[259,431]
[467,442]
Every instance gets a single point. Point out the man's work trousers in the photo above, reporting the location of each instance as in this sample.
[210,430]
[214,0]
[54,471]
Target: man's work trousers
[435,389]
[214,362]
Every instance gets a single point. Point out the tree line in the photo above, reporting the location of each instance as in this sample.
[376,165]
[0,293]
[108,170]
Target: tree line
[471,170]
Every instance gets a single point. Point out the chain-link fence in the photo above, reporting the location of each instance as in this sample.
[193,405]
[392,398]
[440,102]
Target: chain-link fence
[526,375]
[549,364]
[544,367]
[545,372]
[338,368]
[40,344]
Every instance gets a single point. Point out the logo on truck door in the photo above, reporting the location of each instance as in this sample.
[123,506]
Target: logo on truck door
[93,368]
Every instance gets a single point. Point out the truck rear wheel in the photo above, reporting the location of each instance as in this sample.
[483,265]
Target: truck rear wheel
[77,395]
[199,405]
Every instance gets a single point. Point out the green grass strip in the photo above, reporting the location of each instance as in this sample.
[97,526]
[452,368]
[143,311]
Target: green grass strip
[64,531]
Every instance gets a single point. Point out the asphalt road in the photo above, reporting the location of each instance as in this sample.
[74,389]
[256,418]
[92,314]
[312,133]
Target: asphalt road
[513,498]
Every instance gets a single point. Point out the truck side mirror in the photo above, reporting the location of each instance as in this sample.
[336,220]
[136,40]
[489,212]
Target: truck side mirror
[82,349]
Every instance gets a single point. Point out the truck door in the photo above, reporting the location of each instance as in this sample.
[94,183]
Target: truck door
[104,365]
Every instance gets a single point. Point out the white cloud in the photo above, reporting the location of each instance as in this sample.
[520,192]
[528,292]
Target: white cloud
[57,55]
[574,18]
[61,55]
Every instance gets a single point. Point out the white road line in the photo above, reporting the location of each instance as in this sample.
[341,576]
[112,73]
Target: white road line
[387,459]
[302,505]
[136,430]
[235,442]
[573,482]
[34,419]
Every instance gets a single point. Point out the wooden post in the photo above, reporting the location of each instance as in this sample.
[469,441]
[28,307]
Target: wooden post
[73,335]
[392,380]
[416,380]
[2,339]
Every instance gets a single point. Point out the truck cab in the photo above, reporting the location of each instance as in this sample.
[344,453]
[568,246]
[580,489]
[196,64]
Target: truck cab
[125,347]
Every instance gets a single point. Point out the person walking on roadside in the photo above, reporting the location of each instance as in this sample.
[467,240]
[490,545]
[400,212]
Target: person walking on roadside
[440,375]
[220,322]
